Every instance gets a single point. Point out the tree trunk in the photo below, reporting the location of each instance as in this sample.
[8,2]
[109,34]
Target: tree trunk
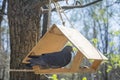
[24,33]
[3,73]
[45,21]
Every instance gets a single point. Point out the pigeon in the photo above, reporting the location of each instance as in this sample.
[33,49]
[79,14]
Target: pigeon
[52,60]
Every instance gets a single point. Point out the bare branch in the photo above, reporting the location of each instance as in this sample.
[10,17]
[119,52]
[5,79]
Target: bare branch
[81,6]
[72,7]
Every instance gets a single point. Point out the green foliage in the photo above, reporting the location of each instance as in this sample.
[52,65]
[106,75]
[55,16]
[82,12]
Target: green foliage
[114,62]
[99,72]
[69,43]
[62,79]
[105,20]
[116,33]
[111,43]
[100,15]
[84,78]
[109,68]
[95,41]
[102,11]
[54,77]
[95,17]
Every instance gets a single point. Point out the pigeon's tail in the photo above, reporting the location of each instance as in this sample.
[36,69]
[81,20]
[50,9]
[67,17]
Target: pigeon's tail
[37,60]
[29,64]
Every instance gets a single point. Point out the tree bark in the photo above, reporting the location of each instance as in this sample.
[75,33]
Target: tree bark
[3,73]
[24,26]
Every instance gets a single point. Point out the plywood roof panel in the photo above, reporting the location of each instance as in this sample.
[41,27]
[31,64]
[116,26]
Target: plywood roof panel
[84,46]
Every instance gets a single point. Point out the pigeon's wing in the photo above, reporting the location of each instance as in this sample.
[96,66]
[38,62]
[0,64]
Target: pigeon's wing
[60,59]
[54,59]
[66,58]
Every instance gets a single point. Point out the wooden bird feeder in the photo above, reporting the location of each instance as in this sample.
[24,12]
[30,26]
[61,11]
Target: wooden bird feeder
[55,39]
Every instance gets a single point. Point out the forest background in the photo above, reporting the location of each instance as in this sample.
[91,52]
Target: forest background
[98,22]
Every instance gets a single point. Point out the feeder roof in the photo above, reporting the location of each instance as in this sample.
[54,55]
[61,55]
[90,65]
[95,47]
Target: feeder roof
[56,38]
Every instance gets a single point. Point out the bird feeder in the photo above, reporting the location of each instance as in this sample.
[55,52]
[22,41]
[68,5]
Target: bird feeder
[55,39]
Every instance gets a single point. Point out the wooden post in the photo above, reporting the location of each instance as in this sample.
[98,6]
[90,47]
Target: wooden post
[76,61]
[95,64]
[36,69]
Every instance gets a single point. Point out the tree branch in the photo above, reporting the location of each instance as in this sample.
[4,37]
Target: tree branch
[72,7]
[81,6]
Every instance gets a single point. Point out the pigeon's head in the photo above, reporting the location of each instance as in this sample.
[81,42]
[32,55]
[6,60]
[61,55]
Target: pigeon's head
[68,48]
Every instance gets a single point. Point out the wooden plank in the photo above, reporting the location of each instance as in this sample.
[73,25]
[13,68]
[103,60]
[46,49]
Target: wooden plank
[52,71]
[77,61]
[64,70]
[96,64]
[80,42]
[53,41]
[36,69]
